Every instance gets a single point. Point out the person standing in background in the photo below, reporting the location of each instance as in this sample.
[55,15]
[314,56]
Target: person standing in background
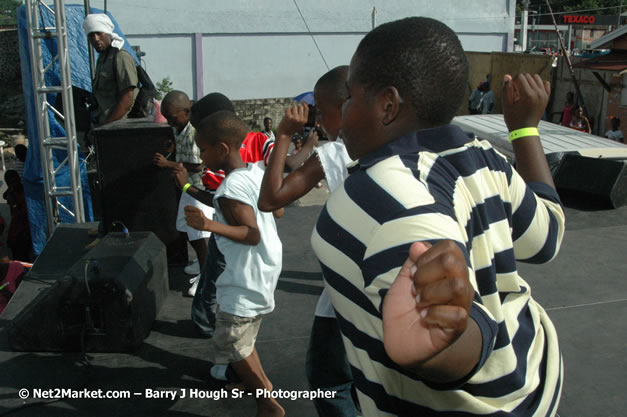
[267,128]
[115,85]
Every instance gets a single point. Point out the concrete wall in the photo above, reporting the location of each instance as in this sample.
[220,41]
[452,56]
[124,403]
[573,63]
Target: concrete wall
[593,94]
[247,49]
[254,111]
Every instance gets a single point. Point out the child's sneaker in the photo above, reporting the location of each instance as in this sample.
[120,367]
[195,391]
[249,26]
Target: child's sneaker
[193,268]
[224,373]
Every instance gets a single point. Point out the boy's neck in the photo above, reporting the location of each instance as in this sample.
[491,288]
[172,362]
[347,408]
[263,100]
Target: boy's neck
[232,164]
[178,131]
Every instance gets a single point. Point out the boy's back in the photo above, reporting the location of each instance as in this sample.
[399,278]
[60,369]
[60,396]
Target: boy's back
[246,287]
[419,246]
[464,190]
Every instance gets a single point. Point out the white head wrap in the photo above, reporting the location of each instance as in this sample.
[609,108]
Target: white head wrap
[99,22]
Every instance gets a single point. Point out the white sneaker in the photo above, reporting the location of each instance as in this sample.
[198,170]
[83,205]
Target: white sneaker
[193,268]
[219,372]
[194,281]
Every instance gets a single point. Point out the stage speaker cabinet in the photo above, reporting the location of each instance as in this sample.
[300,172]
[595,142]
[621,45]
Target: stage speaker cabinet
[602,179]
[132,189]
[94,299]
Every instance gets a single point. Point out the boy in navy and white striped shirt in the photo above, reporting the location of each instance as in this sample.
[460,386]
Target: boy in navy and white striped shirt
[419,246]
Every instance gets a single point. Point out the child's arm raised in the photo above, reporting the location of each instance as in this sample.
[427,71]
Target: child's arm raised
[540,229]
[277,191]
[524,100]
[241,217]
[294,162]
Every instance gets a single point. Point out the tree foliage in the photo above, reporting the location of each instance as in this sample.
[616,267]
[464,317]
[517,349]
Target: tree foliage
[7,12]
[608,7]
[164,87]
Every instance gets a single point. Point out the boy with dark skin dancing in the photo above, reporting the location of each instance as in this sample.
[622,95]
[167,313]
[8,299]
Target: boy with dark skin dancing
[254,150]
[451,328]
[252,250]
[326,364]
[176,108]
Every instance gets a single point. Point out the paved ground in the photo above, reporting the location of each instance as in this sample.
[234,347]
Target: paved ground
[584,290]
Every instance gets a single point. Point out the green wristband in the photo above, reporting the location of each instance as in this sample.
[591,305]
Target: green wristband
[522,133]
[186,187]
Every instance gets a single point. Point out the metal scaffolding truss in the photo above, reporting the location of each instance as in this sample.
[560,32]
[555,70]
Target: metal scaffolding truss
[38,33]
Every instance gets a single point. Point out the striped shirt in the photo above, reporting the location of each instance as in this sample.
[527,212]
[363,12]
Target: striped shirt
[431,185]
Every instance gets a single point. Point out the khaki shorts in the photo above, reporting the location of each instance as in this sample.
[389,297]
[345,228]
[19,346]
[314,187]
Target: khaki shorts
[234,337]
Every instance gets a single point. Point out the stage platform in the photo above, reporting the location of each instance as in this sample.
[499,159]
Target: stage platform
[584,291]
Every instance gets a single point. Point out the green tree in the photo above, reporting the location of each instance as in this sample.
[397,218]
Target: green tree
[164,87]
[7,12]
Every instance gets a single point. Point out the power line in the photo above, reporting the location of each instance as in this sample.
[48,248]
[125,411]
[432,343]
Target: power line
[312,37]
[578,11]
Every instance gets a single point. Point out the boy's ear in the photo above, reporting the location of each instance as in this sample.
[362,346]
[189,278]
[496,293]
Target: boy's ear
[390,101]
[224,148]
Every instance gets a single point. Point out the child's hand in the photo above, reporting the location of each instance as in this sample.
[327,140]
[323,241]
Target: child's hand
[159,160]
[524,100]
[294,119]
[180,175]
[428,306]
[196,219]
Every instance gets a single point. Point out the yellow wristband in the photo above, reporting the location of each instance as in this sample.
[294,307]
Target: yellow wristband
[186,187]
[524,132]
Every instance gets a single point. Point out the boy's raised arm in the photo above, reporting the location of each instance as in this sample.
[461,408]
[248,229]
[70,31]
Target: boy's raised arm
[295,161]
[277,191]
[524,100]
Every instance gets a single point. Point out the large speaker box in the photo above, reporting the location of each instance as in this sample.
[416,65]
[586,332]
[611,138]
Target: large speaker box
[93,298]
[132,189]
[603,179]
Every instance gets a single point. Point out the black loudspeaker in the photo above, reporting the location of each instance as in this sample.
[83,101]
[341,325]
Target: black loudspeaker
[132,189]
[603,179]
[86,297]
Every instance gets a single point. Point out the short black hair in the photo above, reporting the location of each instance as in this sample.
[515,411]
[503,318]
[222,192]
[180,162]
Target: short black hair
[333,83]
[265,119]
[423,59]
[208,105]
[176,99]
[20,152]
[223,126]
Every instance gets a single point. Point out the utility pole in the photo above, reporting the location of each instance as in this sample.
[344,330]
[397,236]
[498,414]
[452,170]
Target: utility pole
[374,17]
[524,4]
[566,53]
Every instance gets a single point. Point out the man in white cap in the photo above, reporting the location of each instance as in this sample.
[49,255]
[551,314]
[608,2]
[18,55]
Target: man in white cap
[115,85]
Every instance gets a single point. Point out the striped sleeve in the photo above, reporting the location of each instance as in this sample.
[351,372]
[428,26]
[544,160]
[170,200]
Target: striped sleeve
[398,222]
[538,220]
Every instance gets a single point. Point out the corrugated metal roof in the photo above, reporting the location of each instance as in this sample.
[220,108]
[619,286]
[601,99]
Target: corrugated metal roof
[606,39]
[555,138]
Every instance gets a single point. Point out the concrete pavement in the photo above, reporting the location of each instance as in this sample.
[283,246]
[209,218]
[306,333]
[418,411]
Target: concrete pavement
[584,291]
